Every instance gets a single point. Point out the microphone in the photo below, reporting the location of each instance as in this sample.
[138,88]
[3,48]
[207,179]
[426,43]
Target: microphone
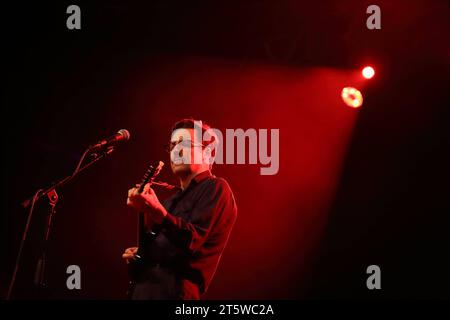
[121,135]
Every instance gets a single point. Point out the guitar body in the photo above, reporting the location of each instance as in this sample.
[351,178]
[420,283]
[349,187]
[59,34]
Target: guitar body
[136,265]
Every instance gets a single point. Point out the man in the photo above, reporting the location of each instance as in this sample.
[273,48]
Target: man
[194,224]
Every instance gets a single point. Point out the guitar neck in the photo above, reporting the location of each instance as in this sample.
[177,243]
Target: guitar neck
[143,224]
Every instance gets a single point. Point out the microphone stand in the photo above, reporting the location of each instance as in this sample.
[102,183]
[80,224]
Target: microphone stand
[50,192]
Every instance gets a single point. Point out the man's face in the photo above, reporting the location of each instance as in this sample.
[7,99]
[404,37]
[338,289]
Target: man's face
[186,156]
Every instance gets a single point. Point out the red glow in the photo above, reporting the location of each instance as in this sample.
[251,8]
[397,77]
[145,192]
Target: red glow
[316,130]
[368,72]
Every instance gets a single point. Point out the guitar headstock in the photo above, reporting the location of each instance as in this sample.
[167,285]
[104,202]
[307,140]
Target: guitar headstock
[151,173]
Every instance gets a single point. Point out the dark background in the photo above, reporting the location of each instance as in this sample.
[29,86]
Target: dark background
[355,187]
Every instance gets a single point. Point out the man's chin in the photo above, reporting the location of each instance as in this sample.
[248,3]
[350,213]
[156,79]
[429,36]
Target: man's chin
[181,168]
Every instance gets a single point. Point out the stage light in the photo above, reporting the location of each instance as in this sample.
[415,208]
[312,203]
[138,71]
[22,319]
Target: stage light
[368,72]
[352,97]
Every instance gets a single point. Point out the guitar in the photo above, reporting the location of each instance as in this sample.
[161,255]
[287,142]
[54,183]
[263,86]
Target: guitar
[136,265]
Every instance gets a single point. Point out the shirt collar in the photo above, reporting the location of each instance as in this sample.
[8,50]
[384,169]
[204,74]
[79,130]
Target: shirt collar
[201,176]
[196,180]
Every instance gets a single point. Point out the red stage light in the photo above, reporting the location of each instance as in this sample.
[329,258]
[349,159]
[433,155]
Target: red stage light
[352,97]
[368,72]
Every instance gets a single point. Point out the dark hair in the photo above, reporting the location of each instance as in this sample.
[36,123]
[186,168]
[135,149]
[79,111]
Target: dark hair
[188,123]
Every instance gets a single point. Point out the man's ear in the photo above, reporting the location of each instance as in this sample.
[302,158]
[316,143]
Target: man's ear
[207,155]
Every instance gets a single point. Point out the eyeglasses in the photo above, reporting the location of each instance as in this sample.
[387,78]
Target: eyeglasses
[184,144]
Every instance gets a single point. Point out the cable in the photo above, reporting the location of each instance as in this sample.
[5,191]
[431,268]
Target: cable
[22,243]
